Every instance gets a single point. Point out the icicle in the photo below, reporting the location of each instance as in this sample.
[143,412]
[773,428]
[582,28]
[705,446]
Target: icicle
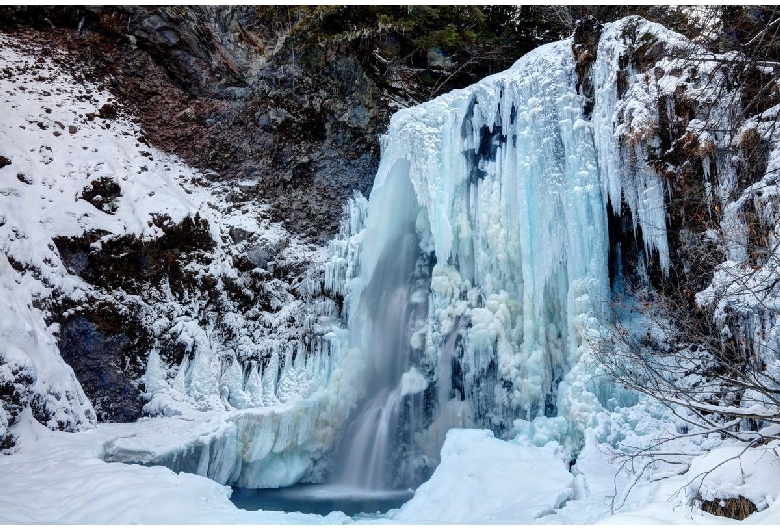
[254,386]
[155,377]
[270,375]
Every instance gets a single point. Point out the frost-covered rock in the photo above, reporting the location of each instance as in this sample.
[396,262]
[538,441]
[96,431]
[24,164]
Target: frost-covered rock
[32,374]
[112,249]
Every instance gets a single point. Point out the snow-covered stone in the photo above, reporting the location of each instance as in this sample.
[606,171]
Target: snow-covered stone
[482,480]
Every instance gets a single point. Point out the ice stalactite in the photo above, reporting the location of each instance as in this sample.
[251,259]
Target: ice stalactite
[621,112]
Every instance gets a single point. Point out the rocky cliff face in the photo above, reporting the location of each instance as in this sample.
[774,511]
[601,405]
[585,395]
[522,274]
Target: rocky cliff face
[267,126]
[231,95]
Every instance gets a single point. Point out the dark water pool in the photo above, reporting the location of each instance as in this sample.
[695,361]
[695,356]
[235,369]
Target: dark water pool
[320,499]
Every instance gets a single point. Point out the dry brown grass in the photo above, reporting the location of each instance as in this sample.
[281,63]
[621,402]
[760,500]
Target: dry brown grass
[734,508]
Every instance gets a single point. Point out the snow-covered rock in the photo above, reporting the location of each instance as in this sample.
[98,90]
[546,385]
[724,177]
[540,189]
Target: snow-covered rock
[483,480]
[111,249]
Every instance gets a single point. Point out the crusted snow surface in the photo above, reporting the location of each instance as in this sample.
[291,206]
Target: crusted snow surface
[470,484]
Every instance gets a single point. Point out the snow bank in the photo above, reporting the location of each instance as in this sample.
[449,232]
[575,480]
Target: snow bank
[720,474]
[730,472]
[32,374]
[60,478]
[483,480]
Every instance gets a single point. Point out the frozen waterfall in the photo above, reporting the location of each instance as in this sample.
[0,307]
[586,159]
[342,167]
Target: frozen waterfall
[497,188]
[473,283]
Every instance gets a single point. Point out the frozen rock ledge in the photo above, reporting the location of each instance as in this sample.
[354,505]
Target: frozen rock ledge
[255,448]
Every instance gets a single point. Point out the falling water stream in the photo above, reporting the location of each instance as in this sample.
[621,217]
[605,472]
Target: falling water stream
[368,474]
[381,324]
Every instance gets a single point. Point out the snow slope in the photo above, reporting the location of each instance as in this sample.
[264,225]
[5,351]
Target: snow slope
[56,147]
[77,165]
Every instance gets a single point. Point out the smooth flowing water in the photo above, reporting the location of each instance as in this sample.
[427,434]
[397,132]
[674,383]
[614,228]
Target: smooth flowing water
[381,325]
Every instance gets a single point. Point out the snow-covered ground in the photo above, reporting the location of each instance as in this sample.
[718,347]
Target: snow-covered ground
[59,477]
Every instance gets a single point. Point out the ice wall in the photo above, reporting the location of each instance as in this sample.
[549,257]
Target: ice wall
[474,281]
[508,177]
[512,180]
[507,206]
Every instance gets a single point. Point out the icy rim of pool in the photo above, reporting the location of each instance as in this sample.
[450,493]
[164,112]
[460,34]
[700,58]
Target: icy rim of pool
[338,491]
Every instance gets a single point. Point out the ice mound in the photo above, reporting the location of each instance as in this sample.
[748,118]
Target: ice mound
[483,480]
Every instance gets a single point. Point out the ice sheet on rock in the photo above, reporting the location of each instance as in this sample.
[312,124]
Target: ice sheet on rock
[743,294]
[483,480]
[633,105]
[255,448]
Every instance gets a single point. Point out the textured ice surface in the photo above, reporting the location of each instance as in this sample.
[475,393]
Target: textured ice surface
[255,448]
[268,447]
[511,184]
[507,197]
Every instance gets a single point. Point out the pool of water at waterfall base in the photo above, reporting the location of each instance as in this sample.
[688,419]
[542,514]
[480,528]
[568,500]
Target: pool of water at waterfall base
[320,499]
